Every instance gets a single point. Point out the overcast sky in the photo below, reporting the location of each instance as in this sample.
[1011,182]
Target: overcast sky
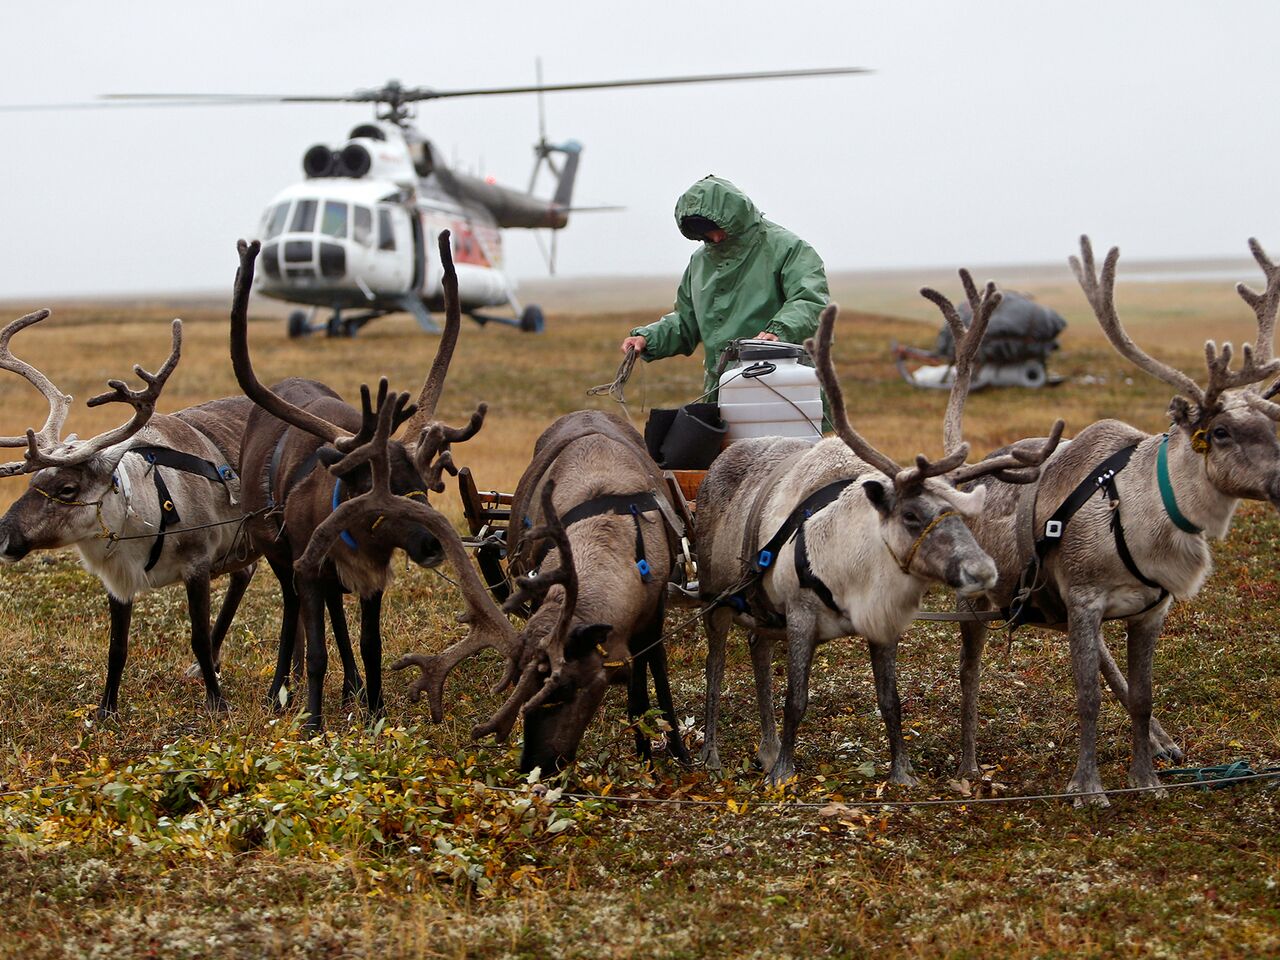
[990,133]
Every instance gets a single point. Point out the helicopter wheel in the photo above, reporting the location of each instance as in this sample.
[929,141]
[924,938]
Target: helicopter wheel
[337,327]
[531,319]
[297,324]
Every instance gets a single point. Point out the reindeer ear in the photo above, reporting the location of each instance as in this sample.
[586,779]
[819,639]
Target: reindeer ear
[1182,411]
[584,640]
[880,496]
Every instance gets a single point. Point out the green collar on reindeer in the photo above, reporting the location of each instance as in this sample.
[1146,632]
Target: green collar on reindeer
[1166,485]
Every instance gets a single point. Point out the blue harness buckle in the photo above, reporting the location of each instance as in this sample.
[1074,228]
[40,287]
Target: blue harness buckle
[765,558]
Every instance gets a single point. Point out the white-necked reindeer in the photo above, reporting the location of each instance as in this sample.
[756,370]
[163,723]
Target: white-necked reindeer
[847,542]
[1147,506]
[149,503]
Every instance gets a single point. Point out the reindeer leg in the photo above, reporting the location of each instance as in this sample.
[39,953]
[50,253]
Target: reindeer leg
[288,637]
[801,644]
[1163,746]
[198,607]
[884,664]
[761,646]
[1143,632]
[371,652]
[716,624]
[973,638]
[352,685]
[237,583]
[1085,629]
[312,597]
[657,660]
[638,706]
[117,654]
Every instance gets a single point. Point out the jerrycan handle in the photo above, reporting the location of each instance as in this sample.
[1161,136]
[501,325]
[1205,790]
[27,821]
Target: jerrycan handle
[761,368]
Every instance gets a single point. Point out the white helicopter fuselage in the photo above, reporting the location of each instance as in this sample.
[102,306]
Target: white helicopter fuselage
[365,244]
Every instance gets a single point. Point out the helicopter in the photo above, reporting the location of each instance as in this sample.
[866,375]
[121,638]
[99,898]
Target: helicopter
[354,237]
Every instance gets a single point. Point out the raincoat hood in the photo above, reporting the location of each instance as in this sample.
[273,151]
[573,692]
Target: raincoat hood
[761,278]
[724,204]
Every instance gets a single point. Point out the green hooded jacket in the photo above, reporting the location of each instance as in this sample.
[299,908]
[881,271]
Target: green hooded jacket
[761,278]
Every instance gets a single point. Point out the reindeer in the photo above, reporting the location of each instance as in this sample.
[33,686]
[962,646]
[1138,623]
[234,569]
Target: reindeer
[809,543]
[1138,538]
[581,637]
[146,504]
[302,425]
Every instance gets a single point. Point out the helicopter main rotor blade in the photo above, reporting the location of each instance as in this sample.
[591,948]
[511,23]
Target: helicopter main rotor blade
[428,94]
[395,94]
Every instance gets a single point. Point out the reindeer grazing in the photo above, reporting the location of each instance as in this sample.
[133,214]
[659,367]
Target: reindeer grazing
[839,539]
[1117,526]
[599,507]
[147,504]
[302,425]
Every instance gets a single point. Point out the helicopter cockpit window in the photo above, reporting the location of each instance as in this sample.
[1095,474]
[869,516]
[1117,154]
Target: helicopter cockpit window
[386,236]
[304,216]
[276,220]
[334,221]
[362,226]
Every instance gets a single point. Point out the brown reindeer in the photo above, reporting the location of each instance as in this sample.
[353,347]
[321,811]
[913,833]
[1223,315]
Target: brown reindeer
[302,426]
[1129,549]
[809,543]
[152,502]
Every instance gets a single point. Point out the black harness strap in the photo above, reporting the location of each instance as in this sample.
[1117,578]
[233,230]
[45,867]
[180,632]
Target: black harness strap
[808,579]
[1103,478]
[794,526]
[187,463]
[168,517]
[625,504]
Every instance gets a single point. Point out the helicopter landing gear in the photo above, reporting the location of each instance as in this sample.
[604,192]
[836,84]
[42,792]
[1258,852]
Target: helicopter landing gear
[531,319]
[337,327]
[299,324]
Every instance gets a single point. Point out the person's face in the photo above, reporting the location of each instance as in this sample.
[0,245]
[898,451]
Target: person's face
[714,236]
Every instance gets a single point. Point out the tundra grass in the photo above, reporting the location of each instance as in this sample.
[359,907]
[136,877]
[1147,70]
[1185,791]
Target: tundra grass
[168,833]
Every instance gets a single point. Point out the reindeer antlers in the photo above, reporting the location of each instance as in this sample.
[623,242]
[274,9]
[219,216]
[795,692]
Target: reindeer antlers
[41,446]
[275,405]
[1258,363]
[967,342]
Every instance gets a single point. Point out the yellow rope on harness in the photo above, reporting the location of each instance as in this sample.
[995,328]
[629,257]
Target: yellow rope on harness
[106,533]
[905,565]
[408,496]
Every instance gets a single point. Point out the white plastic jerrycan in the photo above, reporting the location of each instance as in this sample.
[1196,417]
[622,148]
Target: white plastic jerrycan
[767,392]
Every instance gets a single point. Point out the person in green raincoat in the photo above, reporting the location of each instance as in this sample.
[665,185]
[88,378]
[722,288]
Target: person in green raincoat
[751,278]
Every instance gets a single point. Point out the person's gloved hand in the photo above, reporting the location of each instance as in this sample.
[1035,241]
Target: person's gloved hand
[637,343]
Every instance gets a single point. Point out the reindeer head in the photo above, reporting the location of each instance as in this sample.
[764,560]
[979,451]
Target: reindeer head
[1227,420]
[69,477]
[921,508]
[415,465]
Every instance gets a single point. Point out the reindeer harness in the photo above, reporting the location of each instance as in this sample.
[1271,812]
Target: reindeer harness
[1027,606]
[156,457]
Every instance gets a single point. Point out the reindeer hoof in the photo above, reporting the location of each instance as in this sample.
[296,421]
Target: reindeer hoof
[106,713]
[1150,781]
[1088,793]
[903,778]
[218,706]
[710,758]
[780,774]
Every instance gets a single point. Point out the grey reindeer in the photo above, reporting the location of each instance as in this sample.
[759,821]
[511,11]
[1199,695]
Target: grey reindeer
[1145,508]
[152,502]
[612,535]
[845,541]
